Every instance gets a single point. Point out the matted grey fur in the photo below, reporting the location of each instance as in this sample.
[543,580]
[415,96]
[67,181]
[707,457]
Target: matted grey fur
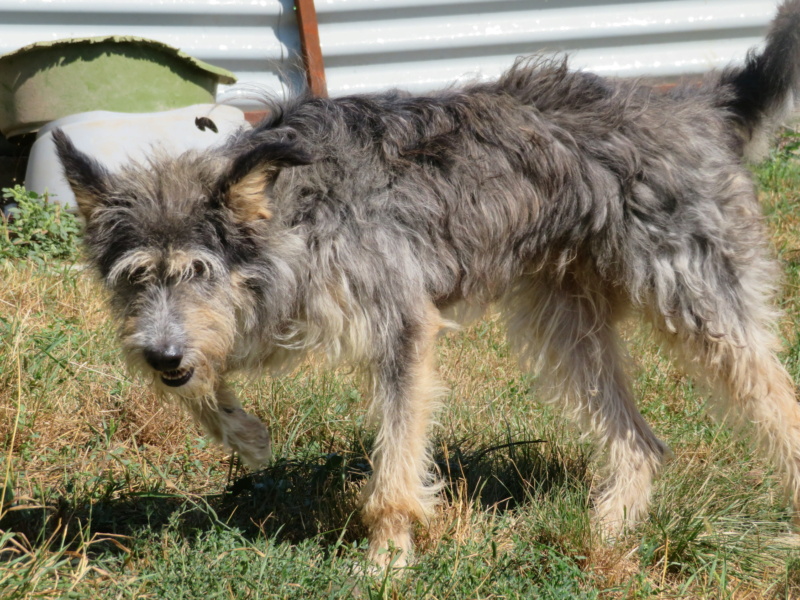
[353,227]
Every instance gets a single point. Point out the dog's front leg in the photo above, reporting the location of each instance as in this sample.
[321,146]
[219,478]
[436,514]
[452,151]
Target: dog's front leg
[223,418]
[402,488]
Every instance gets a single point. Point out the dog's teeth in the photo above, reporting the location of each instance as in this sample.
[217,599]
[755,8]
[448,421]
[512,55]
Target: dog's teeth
[176,377]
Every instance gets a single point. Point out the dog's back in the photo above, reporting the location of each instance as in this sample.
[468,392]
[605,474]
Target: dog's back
[467,188]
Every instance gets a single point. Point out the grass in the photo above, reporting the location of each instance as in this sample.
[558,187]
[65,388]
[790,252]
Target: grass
[108,493]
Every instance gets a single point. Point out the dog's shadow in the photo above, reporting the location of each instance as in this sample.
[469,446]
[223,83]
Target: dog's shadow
[311,497]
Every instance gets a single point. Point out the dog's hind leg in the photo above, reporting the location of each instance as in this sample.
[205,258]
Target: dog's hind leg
[401,490]
[565,332]
[731,346]
[226,422]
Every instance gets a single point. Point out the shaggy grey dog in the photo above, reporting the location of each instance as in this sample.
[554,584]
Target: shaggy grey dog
[357,227]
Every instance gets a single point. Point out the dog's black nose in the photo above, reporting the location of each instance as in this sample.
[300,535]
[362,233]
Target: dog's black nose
[166,358]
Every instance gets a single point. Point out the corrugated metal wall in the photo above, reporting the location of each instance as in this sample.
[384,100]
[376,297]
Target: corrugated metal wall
[372,44]
[415,44]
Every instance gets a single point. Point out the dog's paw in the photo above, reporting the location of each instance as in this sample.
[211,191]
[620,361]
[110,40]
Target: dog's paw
[248,436]
[388,558]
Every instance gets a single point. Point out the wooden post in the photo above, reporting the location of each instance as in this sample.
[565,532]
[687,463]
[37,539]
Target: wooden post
[309,43]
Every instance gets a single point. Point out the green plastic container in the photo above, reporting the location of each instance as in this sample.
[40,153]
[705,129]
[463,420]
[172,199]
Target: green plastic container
[49,80]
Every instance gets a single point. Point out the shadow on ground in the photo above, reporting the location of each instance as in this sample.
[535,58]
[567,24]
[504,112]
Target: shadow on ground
[316,496]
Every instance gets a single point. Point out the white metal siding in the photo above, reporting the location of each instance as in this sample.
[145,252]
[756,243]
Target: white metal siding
[418,44]
[414,44]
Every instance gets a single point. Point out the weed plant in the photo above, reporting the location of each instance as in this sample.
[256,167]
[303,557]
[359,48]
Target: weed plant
[37,228]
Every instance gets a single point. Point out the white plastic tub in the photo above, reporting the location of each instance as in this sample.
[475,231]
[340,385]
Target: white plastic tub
[116,138]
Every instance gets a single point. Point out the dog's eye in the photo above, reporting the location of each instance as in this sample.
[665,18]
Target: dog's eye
[198,269]
[137,275]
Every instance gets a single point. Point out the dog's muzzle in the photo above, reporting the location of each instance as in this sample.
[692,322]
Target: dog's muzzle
[167,361]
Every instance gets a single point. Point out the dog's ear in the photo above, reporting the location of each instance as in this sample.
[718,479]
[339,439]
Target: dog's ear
[87,178]
[243,188]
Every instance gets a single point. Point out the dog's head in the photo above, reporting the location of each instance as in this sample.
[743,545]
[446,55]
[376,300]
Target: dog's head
[182,244]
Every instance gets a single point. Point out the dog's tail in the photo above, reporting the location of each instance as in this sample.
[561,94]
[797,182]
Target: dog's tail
[763,93]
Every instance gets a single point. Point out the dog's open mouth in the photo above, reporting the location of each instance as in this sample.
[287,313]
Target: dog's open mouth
[177,377]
